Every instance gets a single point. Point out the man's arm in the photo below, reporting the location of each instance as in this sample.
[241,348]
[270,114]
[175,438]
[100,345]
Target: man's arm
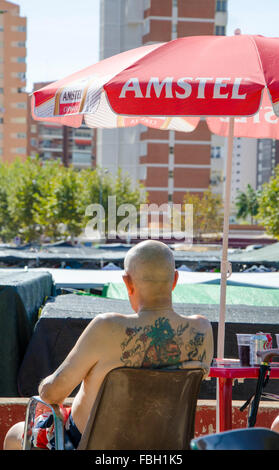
[203,325]
[84,355]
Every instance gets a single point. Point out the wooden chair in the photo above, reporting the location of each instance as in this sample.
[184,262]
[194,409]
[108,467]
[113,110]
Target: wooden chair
[142,409]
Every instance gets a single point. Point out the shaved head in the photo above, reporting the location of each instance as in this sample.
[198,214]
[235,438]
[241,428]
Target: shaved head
[150,261]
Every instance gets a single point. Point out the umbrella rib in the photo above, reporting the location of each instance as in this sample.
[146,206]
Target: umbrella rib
[257,54]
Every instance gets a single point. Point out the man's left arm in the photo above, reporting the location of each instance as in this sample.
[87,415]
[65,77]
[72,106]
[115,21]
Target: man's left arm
[55,388]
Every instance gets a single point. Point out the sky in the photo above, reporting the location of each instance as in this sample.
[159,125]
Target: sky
[63,35]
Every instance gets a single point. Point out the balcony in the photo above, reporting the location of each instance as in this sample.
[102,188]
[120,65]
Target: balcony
[50,149]
[82,160]
[82,148]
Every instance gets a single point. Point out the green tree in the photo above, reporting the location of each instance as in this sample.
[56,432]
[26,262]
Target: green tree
[247,204]
[8,229]
[131,195]
[268,200]
[46,213]
[207,212]
[69,202]
[24,192]
[100,185]
[59,210]
[45,199]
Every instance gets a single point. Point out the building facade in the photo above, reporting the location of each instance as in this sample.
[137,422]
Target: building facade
[254,162]
[244,167]
[13,98]
[267,160]
[168,163]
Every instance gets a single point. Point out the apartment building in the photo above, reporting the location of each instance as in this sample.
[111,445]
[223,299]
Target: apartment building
[51,141]
[13,98]
[169,163]
[244,164]
[254,162]
[267,160]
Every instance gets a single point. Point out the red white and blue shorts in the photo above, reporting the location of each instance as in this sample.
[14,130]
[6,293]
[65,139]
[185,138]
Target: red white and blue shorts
[43,431]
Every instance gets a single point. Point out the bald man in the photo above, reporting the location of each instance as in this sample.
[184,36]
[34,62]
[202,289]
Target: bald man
[154,336]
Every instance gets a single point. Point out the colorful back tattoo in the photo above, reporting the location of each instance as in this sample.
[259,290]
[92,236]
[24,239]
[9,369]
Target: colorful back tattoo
[160,345]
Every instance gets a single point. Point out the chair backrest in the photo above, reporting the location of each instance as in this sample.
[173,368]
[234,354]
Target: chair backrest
[238,439]
[144,409]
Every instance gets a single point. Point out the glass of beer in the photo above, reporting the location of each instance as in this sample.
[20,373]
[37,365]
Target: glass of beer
[243,343]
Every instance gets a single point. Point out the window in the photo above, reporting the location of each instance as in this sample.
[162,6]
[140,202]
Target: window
[21,60]
[146,26]
[83,133]
[21,29]
[19,150]
[18,120]
[18,44]
[81,158]
[147,4]
[216,152]
[19,105]
[221,5]
[220,30]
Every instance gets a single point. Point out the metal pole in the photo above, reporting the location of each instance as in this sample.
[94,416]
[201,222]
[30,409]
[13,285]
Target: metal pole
[225,265]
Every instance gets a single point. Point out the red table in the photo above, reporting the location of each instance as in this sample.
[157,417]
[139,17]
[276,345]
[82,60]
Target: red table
[226,371]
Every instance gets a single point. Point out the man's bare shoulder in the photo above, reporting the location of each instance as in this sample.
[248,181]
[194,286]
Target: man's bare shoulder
[114,318]
[198,320]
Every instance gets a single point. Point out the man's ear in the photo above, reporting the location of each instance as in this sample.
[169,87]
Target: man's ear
[176,275]
[129,283]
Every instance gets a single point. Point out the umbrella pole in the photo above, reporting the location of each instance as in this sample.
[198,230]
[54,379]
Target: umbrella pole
[225,266]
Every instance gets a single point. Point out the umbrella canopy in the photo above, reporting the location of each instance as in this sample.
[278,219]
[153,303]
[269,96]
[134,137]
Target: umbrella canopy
[169,86]
[264,124]
[192,76]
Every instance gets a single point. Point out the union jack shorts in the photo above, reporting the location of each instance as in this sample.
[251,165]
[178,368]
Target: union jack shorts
[43,431]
